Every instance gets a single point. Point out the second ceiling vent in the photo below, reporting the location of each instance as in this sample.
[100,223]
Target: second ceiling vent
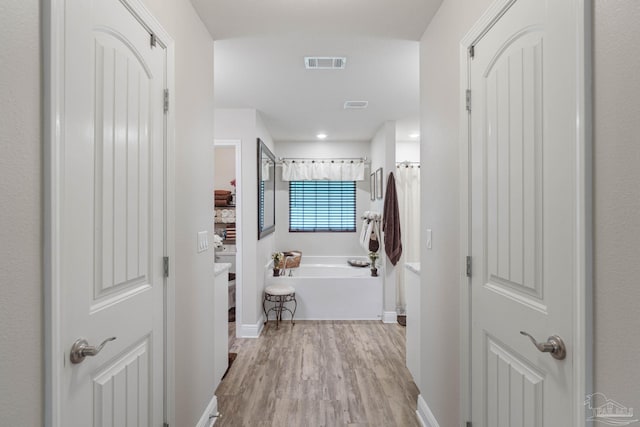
[325,62]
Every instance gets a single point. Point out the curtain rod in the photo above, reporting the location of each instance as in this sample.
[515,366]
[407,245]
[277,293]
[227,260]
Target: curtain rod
[330,159]
[407,163]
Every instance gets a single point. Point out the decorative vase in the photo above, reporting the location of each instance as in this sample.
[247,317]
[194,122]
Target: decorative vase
[374,272]
[276,272]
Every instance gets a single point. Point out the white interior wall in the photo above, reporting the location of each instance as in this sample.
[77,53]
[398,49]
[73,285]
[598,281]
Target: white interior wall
[246,125]
[21,216]
[225,167]
[616,200]
[343,244]
[194,165]
[383,154]
[439,173]
[266,245]
[407,150]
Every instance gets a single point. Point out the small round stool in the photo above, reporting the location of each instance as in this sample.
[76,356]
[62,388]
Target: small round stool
[279,294]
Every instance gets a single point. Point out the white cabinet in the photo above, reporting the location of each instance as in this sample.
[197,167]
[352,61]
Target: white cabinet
[221,317]
[412,291]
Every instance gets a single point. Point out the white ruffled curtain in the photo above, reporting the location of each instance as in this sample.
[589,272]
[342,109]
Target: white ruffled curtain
[408,189]
[322,170]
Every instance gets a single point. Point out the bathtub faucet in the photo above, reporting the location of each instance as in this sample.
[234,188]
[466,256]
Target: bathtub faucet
[284,270]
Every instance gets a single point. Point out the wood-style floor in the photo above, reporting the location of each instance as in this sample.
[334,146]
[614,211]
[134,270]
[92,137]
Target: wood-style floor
[320,373]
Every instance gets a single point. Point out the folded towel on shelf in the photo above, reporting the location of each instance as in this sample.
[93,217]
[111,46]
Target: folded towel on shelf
[221,192]
[221,203]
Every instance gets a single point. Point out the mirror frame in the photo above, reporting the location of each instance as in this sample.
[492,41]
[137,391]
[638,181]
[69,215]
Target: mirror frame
[263,150]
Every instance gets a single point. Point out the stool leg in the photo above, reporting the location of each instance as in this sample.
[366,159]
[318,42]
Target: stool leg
[295,307]
[264,308]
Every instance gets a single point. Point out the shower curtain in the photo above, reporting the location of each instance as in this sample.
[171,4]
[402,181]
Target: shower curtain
[408,189]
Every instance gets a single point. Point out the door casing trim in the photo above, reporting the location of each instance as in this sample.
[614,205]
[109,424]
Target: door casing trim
[583,289]
[53,54]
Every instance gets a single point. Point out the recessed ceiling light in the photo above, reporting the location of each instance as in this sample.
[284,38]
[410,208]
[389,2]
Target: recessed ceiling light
[414,135]
[321,135]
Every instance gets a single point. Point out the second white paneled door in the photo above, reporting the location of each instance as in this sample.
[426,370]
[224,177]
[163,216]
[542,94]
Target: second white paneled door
[525,236]
[112,217]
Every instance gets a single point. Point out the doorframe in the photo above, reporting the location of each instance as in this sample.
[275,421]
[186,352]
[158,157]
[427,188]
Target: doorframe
[238,167]
[53,54]
[583,289]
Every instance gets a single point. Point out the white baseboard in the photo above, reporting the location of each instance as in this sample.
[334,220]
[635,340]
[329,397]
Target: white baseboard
[252,330]
[424,414]
[211,409]
[389,317]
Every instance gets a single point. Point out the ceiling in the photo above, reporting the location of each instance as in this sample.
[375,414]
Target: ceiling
[259,62]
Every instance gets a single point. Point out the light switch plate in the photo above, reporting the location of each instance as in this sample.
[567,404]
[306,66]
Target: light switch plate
[203,241]
[428,238]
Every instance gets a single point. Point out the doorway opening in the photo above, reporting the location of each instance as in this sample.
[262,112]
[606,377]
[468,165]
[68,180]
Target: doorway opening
[228,223]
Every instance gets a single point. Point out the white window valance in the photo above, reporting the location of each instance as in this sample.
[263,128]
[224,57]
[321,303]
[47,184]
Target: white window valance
[322,170]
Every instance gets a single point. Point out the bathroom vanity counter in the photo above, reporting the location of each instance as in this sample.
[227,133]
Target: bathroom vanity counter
[220,267]
[220,327]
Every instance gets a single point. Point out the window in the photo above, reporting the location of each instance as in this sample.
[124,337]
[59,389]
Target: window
[322,206]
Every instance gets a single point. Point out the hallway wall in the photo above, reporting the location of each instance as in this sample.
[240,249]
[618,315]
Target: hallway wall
[246,125]
[194,157]
[21,298]
[616,200]
[21,291]
[439,173]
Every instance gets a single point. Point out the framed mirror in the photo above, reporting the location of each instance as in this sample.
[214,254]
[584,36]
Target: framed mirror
[372,186]
[266,190]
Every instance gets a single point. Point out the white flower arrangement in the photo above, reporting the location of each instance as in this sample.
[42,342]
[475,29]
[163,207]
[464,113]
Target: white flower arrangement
[277,257]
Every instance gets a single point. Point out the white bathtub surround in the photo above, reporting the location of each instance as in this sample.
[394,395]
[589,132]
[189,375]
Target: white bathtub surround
[408,189]
[328,288]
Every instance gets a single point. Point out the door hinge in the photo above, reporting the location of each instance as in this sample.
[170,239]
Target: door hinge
[166,100]
[165,266]
[153,40]
[468,266]
[468,99]
[472,51]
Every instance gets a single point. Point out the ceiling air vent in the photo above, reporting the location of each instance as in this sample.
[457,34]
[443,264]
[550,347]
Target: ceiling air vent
[325,62]
[349,105]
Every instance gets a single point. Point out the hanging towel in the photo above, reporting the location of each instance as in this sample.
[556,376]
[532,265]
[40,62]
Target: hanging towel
[363,233]
[391,222]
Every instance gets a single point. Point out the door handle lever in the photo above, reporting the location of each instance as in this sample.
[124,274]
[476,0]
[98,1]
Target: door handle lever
[81,349]
[554,345]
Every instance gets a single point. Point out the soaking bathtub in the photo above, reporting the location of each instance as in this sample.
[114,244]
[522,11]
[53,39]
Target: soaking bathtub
[327,288]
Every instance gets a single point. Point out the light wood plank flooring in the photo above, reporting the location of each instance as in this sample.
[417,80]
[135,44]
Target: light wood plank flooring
[320,373]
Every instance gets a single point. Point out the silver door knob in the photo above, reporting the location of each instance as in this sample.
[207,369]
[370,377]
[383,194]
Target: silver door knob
[554,345]
[81,349]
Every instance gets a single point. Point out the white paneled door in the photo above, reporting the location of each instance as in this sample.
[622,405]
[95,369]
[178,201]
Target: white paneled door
[524,215]
[112,217]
